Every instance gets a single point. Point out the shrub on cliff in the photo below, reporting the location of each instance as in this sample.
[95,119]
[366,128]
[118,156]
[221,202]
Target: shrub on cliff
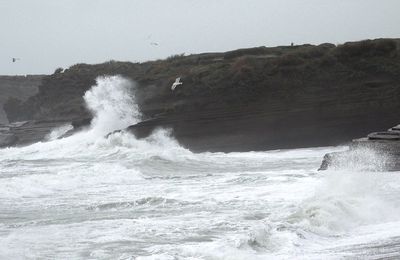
[311,52]
[249,51]
[241,65]
[175,57]
[368,48]
[58,70]
[289,60]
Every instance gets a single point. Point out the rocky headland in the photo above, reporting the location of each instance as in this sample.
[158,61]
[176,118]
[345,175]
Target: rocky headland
[248,99]
[18,88]
[14,88]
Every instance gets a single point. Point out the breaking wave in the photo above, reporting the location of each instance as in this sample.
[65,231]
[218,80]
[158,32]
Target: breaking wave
[112,104]
[121,197]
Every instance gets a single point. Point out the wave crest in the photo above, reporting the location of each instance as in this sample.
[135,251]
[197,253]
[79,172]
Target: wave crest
[112,104]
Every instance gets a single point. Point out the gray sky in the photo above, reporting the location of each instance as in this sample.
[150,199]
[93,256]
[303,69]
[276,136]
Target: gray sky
[47,34]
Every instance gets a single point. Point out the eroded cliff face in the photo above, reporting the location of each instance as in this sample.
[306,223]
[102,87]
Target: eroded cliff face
[249,99]
[17,87]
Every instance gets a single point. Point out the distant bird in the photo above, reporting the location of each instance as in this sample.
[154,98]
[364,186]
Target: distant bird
[15,59]
[149,38]
[176,83]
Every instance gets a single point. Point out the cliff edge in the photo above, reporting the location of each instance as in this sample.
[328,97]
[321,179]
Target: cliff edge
[248,99]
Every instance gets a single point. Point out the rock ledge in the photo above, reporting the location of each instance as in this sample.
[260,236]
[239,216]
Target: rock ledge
[379,151]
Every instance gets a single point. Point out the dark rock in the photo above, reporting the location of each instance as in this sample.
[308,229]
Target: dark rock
[18,89]
[33,131]
[395,128]
[389,135]
[145,128]
[77,126]
[81,122]
[7,139]
[378,151]
[326,161]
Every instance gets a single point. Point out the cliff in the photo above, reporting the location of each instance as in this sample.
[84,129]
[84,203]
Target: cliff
[248,99]
[17,87]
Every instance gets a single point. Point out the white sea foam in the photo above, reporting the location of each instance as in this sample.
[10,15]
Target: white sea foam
[112,103]
[93,195]
[58,132]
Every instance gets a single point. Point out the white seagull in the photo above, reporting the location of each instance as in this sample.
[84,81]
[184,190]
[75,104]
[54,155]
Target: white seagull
[176,83]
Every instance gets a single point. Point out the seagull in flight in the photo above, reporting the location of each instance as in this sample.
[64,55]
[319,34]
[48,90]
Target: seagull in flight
[152,42]
[15,59]
[176,83]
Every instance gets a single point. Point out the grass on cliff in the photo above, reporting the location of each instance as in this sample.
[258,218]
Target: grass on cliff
[244,76]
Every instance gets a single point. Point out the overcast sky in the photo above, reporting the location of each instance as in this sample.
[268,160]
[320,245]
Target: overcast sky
[46,34]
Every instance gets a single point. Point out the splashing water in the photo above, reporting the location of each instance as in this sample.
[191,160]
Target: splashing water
[58,132]
[361,159]
[112,103]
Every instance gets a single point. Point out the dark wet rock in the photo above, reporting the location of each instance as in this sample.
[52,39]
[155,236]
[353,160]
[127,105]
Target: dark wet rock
[395,128]
[77,126]
[327,161]
[18,89]
[81,122]
[378,151]
[30,132]
[145,128]
[388,135]
[7,139]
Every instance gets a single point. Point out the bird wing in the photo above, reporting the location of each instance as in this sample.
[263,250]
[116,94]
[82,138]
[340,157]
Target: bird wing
[177,80]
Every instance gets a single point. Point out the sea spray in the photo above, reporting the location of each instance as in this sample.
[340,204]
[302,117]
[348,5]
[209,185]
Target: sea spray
[113,107]
[112,104]
[58,132]
[344,201]
[360,159]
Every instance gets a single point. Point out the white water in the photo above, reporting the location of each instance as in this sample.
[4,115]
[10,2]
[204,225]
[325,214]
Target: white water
[58,132]
[91,197]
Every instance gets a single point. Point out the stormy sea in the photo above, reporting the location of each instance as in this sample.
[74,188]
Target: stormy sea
[96,195]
